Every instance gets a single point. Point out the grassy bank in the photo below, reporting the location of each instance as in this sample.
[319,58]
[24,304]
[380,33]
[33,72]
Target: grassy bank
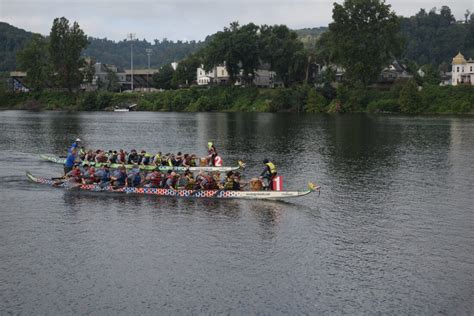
[401,98]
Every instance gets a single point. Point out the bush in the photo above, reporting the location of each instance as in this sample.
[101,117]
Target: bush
[384,105]
[315,103]
[410,100]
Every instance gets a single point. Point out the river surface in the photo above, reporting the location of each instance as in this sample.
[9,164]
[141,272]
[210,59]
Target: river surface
[391,233]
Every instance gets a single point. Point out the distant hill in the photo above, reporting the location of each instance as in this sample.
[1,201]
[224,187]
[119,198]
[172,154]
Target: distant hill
[12,39]
[309,36]
[118,53]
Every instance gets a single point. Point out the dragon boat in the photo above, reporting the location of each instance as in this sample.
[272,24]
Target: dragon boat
[218,194]
[60,160]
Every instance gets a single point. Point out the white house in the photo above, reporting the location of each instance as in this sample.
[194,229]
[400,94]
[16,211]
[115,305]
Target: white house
[463,71]
[219,75]
[204,78]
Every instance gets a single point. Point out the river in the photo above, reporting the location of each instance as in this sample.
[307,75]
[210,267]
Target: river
[392,231]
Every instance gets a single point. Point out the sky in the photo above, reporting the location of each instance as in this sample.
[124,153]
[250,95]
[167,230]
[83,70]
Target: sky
[186,19]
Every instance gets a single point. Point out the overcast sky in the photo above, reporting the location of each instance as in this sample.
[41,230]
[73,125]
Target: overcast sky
[186,19]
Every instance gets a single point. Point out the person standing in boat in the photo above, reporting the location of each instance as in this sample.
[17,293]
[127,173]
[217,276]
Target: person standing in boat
[75,145]
[70,160]
[211,153]
[268,174]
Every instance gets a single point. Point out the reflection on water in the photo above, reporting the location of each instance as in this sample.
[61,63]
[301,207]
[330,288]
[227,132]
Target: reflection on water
[391,232]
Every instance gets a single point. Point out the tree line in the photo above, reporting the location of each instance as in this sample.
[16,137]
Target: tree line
[364,37]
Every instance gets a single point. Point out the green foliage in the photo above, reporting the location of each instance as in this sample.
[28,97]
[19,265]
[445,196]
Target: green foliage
[66,45]
[383,105]
[118,53]
[244,47]
[433,38]
[12,40]
[281,48]
[34,60]
[163,78]
[309,36]
[185,73]
[112,81]
[363,38]
[448,99]
[410,100]
[89,101]
[315,103]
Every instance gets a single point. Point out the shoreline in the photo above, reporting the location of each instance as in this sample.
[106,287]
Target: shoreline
[400,99]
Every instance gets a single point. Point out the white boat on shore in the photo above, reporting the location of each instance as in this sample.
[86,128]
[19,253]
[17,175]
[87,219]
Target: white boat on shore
[127,109]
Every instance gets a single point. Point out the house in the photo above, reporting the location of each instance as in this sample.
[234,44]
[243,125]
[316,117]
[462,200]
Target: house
[394,71]
[462,71]
[204,77]
[218,75]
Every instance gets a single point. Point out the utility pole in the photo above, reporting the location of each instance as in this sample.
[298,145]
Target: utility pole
[148,52]
[131,37]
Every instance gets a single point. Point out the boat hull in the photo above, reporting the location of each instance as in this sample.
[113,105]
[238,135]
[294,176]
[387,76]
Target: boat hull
[217,194]
[59,160]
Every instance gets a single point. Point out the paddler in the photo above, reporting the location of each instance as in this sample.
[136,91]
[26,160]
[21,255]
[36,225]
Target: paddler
[89,177]
[134,177]
[171,180]
[268,173]
[133,157]
[146,160]
[119,179]
[74,176]
[104,175]
[154,179]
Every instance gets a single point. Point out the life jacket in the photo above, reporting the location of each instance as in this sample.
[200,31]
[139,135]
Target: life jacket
[212,151]
[105,176]
[271,167]
[155,180]
[211,183]
[121,157]
[173,181]
[101,159]
[136,179]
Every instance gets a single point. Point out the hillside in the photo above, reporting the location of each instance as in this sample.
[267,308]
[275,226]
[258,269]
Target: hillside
[430,37]
[309,36]
[12,39]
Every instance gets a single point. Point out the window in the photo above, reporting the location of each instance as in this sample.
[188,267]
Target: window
[471,69]
[222,71]
[457,69]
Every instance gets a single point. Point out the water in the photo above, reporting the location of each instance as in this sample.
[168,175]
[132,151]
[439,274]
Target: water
[391,233]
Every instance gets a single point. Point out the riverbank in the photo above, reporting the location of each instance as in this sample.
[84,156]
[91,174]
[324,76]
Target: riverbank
[401,98]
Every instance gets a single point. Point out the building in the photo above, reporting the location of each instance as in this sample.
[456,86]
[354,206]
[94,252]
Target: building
[16,82]
[218,75]
[394,71]
[462,71]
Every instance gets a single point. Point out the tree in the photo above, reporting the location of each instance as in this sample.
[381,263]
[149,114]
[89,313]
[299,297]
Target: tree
[89,70]
[185,73]
[280,47]
[66,45]
[113,84]
[34,60]
[409,100]
[315,102]
[162,79]
[364,38]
